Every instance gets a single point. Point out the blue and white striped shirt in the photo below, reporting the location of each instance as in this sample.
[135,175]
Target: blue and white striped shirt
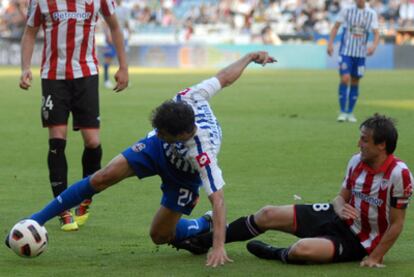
[200,152]
[357,23]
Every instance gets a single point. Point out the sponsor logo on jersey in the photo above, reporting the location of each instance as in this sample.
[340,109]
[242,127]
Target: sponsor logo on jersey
[203,159]
[369,199]
[71,15]
[138,147]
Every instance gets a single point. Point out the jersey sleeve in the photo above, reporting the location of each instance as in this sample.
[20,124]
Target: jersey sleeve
[348,173]
[341,16]
[202,91]
[374,23]
[34,15]
[107,7]
[205,162]
[402,188]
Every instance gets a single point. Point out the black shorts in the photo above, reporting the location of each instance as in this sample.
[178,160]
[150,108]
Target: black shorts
[320,220]
[78,96]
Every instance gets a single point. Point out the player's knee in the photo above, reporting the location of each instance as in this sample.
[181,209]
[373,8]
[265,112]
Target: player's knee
[92,143]
[101,179]
[266,215]
[159,238]
[300,251]
[345,79]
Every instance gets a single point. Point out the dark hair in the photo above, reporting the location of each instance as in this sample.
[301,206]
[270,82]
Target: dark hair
[173,117]
[383,130]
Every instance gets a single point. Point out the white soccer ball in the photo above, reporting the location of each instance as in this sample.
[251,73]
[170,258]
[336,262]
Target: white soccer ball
[28,239]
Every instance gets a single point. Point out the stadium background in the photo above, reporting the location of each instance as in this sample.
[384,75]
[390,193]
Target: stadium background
[209,33]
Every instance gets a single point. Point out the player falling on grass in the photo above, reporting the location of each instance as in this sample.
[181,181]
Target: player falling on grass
[362,222]
[358,21]
[70,84]
[182,150]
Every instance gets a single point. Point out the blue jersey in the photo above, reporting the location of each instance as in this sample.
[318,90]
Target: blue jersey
[188,164]
[357,23]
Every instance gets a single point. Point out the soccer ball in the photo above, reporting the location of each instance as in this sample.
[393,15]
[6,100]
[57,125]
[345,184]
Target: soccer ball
[27,238]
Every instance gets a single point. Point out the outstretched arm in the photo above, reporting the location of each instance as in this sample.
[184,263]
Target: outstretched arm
[218,255]
[231,73]
[387,241]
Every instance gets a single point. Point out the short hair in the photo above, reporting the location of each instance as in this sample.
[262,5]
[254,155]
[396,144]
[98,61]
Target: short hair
[173,117]
[383,130]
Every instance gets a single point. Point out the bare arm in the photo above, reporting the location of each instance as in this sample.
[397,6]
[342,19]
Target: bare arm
[374,45]
[341,206]
[121,76]
[388,240]
[27,46]
[332,36]
[218,255]
[231,73]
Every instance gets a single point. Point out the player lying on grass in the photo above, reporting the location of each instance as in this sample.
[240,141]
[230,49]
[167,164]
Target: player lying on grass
[182,149]
[362,222]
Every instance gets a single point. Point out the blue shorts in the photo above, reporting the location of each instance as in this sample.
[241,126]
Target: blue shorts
[109,51]
[351,65]
[180,189]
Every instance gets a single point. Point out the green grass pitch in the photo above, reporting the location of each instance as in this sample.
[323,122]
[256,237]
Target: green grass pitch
[280,138]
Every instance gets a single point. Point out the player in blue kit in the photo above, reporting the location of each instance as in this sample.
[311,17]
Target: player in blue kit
[182,149]
[358,21]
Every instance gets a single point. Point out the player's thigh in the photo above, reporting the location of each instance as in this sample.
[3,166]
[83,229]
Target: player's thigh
[358,68]
[163,225]
[85,103]
[56,103]
[276,218]
[318,250]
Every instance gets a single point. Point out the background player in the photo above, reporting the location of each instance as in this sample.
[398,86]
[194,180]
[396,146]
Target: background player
[364,220]
[123,14]
[70,83]
[358,21]
[182,150]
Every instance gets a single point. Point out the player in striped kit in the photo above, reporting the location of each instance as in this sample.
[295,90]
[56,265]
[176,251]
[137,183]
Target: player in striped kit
[358,21]
[69,73]
[182,149]
[362,222]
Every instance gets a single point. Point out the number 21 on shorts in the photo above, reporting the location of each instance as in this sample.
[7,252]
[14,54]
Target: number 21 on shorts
[185,197]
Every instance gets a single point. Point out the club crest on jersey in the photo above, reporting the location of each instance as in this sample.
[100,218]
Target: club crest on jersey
[203,159]
[384,184]
[138,147]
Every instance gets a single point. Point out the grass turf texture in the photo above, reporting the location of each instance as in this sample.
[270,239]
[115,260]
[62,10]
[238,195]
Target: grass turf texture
[280,139]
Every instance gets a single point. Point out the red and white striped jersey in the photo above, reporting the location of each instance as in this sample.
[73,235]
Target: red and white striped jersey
[69,35]
[374,192]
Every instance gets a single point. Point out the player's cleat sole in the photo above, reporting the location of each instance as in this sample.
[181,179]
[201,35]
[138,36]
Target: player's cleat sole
[67,223]
[262,250]
[82,212]
[191,245]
